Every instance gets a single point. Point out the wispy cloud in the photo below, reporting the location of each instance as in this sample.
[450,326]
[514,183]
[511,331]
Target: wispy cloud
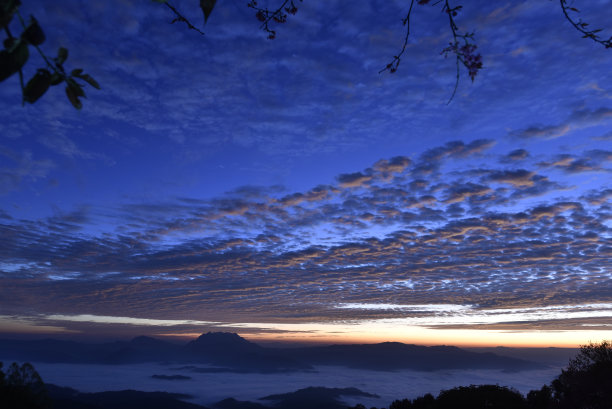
[577,120]
[374,246]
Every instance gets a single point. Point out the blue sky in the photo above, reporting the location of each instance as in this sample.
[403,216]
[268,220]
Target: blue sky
[285,188]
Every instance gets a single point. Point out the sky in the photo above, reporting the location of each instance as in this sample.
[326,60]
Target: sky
[287,190]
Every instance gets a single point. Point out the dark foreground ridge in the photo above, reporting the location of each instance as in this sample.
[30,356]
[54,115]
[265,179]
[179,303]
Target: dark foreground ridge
[228,352]
[584,384]
[312,397]
[315,397]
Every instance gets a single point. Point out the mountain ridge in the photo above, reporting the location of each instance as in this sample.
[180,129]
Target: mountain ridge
[229,352]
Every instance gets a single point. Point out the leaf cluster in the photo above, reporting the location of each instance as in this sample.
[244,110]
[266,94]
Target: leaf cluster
[16,53]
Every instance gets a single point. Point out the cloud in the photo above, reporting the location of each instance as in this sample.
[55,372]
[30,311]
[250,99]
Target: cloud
[319,193]
[459,193]
[62,145]
[577,120]
[356,179]
[591,161]
[396,164]
[516,155]
[605,137]
[466,237]
[431,160]
[598,197]
[518,178]
[456,149]
[550,131]
[25,168]
[100,319]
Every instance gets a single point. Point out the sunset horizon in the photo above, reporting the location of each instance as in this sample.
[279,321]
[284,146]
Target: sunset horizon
[91,329]
[435,173]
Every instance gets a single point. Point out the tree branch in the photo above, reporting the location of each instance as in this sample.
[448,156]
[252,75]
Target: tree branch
[453,28]
[181,18]
[392,66]
[581,26]
[266,17]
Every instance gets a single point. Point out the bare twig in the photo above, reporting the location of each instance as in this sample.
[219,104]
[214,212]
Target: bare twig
[278,15]
[392,66]
[179,17]
[581,26]
[463,54]
[453,28]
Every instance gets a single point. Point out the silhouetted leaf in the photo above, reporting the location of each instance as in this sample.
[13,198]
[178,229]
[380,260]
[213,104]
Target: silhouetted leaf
[9,42]
[7,9]
[78,72]
[13,59]
[20,54]
[77,88]
[73,98]
[73,92]
[33,34]
[5,70]
[89,79]
[62,55]
[207,8]
[37,86]
[56,79]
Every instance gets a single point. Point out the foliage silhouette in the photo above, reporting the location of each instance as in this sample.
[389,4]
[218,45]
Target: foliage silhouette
[462,45]
[585,384]
[541,399]
[587,381]
[16,53]
[22,388]
[426,401]
[16,50]
[472,397]
[480,397]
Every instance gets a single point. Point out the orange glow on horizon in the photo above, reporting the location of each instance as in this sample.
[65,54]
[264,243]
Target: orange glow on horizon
[349,332]
[465,341]
[460,338]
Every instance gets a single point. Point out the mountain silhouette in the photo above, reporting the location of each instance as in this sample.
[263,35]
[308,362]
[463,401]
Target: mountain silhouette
[231,350]
[139,349]
[222,343]
[228,352]
[392,356]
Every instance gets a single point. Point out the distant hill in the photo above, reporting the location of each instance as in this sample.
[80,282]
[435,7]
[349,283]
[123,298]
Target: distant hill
[315,397]
[228,352]
[308,398]
[140,349]
[231,403]
[68,398]
[392,356]
[558,357]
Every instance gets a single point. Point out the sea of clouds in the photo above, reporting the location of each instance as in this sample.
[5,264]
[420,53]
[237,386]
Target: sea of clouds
[208,388]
